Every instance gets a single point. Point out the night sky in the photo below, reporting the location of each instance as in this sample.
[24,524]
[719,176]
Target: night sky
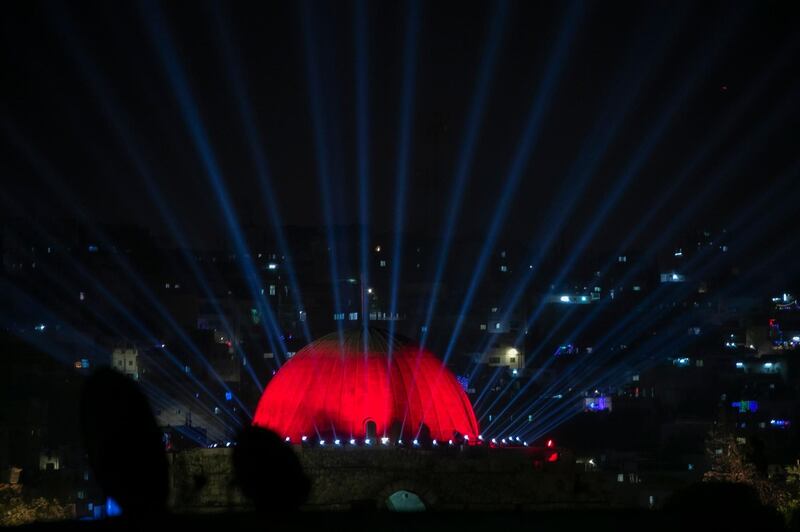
[736,62]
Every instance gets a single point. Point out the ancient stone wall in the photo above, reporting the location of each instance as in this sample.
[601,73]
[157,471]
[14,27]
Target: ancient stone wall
[344,478]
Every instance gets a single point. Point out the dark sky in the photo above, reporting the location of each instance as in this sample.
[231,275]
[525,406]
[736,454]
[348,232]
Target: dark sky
[722,74]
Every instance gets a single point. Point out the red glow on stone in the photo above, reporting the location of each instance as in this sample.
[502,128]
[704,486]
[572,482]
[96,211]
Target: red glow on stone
[553,457]
[334,390]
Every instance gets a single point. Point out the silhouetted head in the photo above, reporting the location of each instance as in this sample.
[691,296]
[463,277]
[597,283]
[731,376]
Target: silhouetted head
[269,472]
[124,444]
[424,435]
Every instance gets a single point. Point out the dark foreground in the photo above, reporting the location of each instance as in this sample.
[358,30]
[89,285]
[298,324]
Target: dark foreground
[593,521]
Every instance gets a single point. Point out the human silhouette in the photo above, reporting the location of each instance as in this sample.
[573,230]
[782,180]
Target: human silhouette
[268,471]
[124,445]
[424,435]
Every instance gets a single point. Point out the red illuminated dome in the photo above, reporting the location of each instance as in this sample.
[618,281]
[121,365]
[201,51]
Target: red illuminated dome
[333,388]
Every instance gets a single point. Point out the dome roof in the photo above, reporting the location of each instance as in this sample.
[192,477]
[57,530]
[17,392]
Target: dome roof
[335,388]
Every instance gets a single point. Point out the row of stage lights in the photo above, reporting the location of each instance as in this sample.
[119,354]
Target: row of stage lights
[511,441]
[215,445]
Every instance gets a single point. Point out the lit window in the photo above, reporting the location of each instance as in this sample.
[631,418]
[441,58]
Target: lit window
[621,477]
[483,326]
[353,316]
[383,264]
[272,289]
[503,268]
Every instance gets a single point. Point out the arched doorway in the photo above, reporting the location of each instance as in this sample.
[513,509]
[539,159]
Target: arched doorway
[405,501]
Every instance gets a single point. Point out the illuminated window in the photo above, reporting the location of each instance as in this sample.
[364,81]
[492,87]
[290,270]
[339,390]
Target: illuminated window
[338,316]
[383,264]
[272,289]
[503,268]
[353,316]
[483,326]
